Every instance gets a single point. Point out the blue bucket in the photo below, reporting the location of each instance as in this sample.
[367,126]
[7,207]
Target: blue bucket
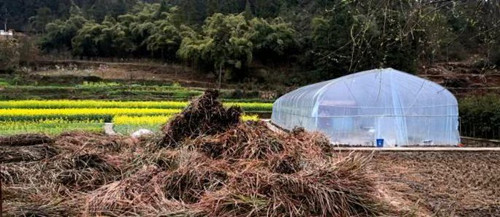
[380,143]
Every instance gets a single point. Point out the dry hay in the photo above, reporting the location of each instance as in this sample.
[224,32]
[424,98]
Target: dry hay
[141,194]
[218,187]
[206,163]
[84,172]
[20,172]
[154,189]
[123,196]
[25,140]
[335,189]
[240,170]
[64,170]
[26,153]
[73,173]
[189,182]
[285,164]
[253,140]
[44,210]
[77,140]
[204,116]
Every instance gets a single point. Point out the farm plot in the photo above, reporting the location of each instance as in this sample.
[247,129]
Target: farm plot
[64,87]
[56,116]
[440,183]
[53,104]
[108,90]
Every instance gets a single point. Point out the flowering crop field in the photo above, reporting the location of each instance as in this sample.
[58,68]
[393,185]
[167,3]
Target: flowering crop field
[53,104]
[57,116]
[53,127]
[78,113]
[127,124]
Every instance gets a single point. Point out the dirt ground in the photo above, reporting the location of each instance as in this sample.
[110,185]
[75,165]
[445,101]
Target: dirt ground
[127,71]
[439,183]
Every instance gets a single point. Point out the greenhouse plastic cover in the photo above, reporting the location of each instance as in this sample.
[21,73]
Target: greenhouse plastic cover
[358,109]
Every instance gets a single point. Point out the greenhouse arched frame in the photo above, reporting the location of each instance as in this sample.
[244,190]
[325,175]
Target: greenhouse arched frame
[364,108]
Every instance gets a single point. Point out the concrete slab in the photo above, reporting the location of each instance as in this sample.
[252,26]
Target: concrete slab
[419,149]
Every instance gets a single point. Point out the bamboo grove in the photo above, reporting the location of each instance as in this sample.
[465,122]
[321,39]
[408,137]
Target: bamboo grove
[319,38]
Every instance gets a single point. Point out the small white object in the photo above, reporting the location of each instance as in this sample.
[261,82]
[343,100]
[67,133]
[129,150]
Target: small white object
[141,132]
[108,129]
[6,33]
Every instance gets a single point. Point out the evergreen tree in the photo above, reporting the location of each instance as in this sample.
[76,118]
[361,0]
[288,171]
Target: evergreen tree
[60,33]
[224,42]
[42,18]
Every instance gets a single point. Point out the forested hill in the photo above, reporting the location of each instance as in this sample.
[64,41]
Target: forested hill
[22,14]
[324,38]
[32,15]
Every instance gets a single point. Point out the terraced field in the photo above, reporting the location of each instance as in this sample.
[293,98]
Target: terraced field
[57,116]
[52,88]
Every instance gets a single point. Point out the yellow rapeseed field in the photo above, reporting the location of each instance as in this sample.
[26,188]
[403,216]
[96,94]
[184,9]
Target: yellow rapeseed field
[54,104]
[56,116]
[91,113]
[156,120]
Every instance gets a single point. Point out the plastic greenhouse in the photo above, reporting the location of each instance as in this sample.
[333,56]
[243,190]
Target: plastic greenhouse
[380,107]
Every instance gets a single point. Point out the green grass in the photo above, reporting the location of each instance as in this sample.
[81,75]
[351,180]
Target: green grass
[48,128]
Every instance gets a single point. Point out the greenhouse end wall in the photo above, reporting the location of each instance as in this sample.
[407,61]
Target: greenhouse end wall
[358,109]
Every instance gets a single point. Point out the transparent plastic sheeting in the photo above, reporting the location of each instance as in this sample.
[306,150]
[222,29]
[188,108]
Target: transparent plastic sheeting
[358,109]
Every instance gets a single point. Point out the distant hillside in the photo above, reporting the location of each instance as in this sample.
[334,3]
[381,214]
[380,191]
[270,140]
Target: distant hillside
[297,41]
[33,15]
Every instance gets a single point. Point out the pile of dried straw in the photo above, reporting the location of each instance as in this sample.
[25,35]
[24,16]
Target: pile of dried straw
[207,162]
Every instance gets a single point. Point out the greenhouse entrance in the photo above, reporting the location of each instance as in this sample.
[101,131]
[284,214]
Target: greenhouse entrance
[381,107]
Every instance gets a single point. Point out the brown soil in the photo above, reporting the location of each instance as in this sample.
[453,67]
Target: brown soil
[440,183]
[127,71]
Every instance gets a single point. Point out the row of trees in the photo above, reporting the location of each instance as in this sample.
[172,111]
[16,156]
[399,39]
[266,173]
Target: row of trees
[324,38]
[233,41]
[33,15]
[223,42]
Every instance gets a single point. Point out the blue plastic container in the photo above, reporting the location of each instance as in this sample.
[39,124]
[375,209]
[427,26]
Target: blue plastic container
[380,143]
